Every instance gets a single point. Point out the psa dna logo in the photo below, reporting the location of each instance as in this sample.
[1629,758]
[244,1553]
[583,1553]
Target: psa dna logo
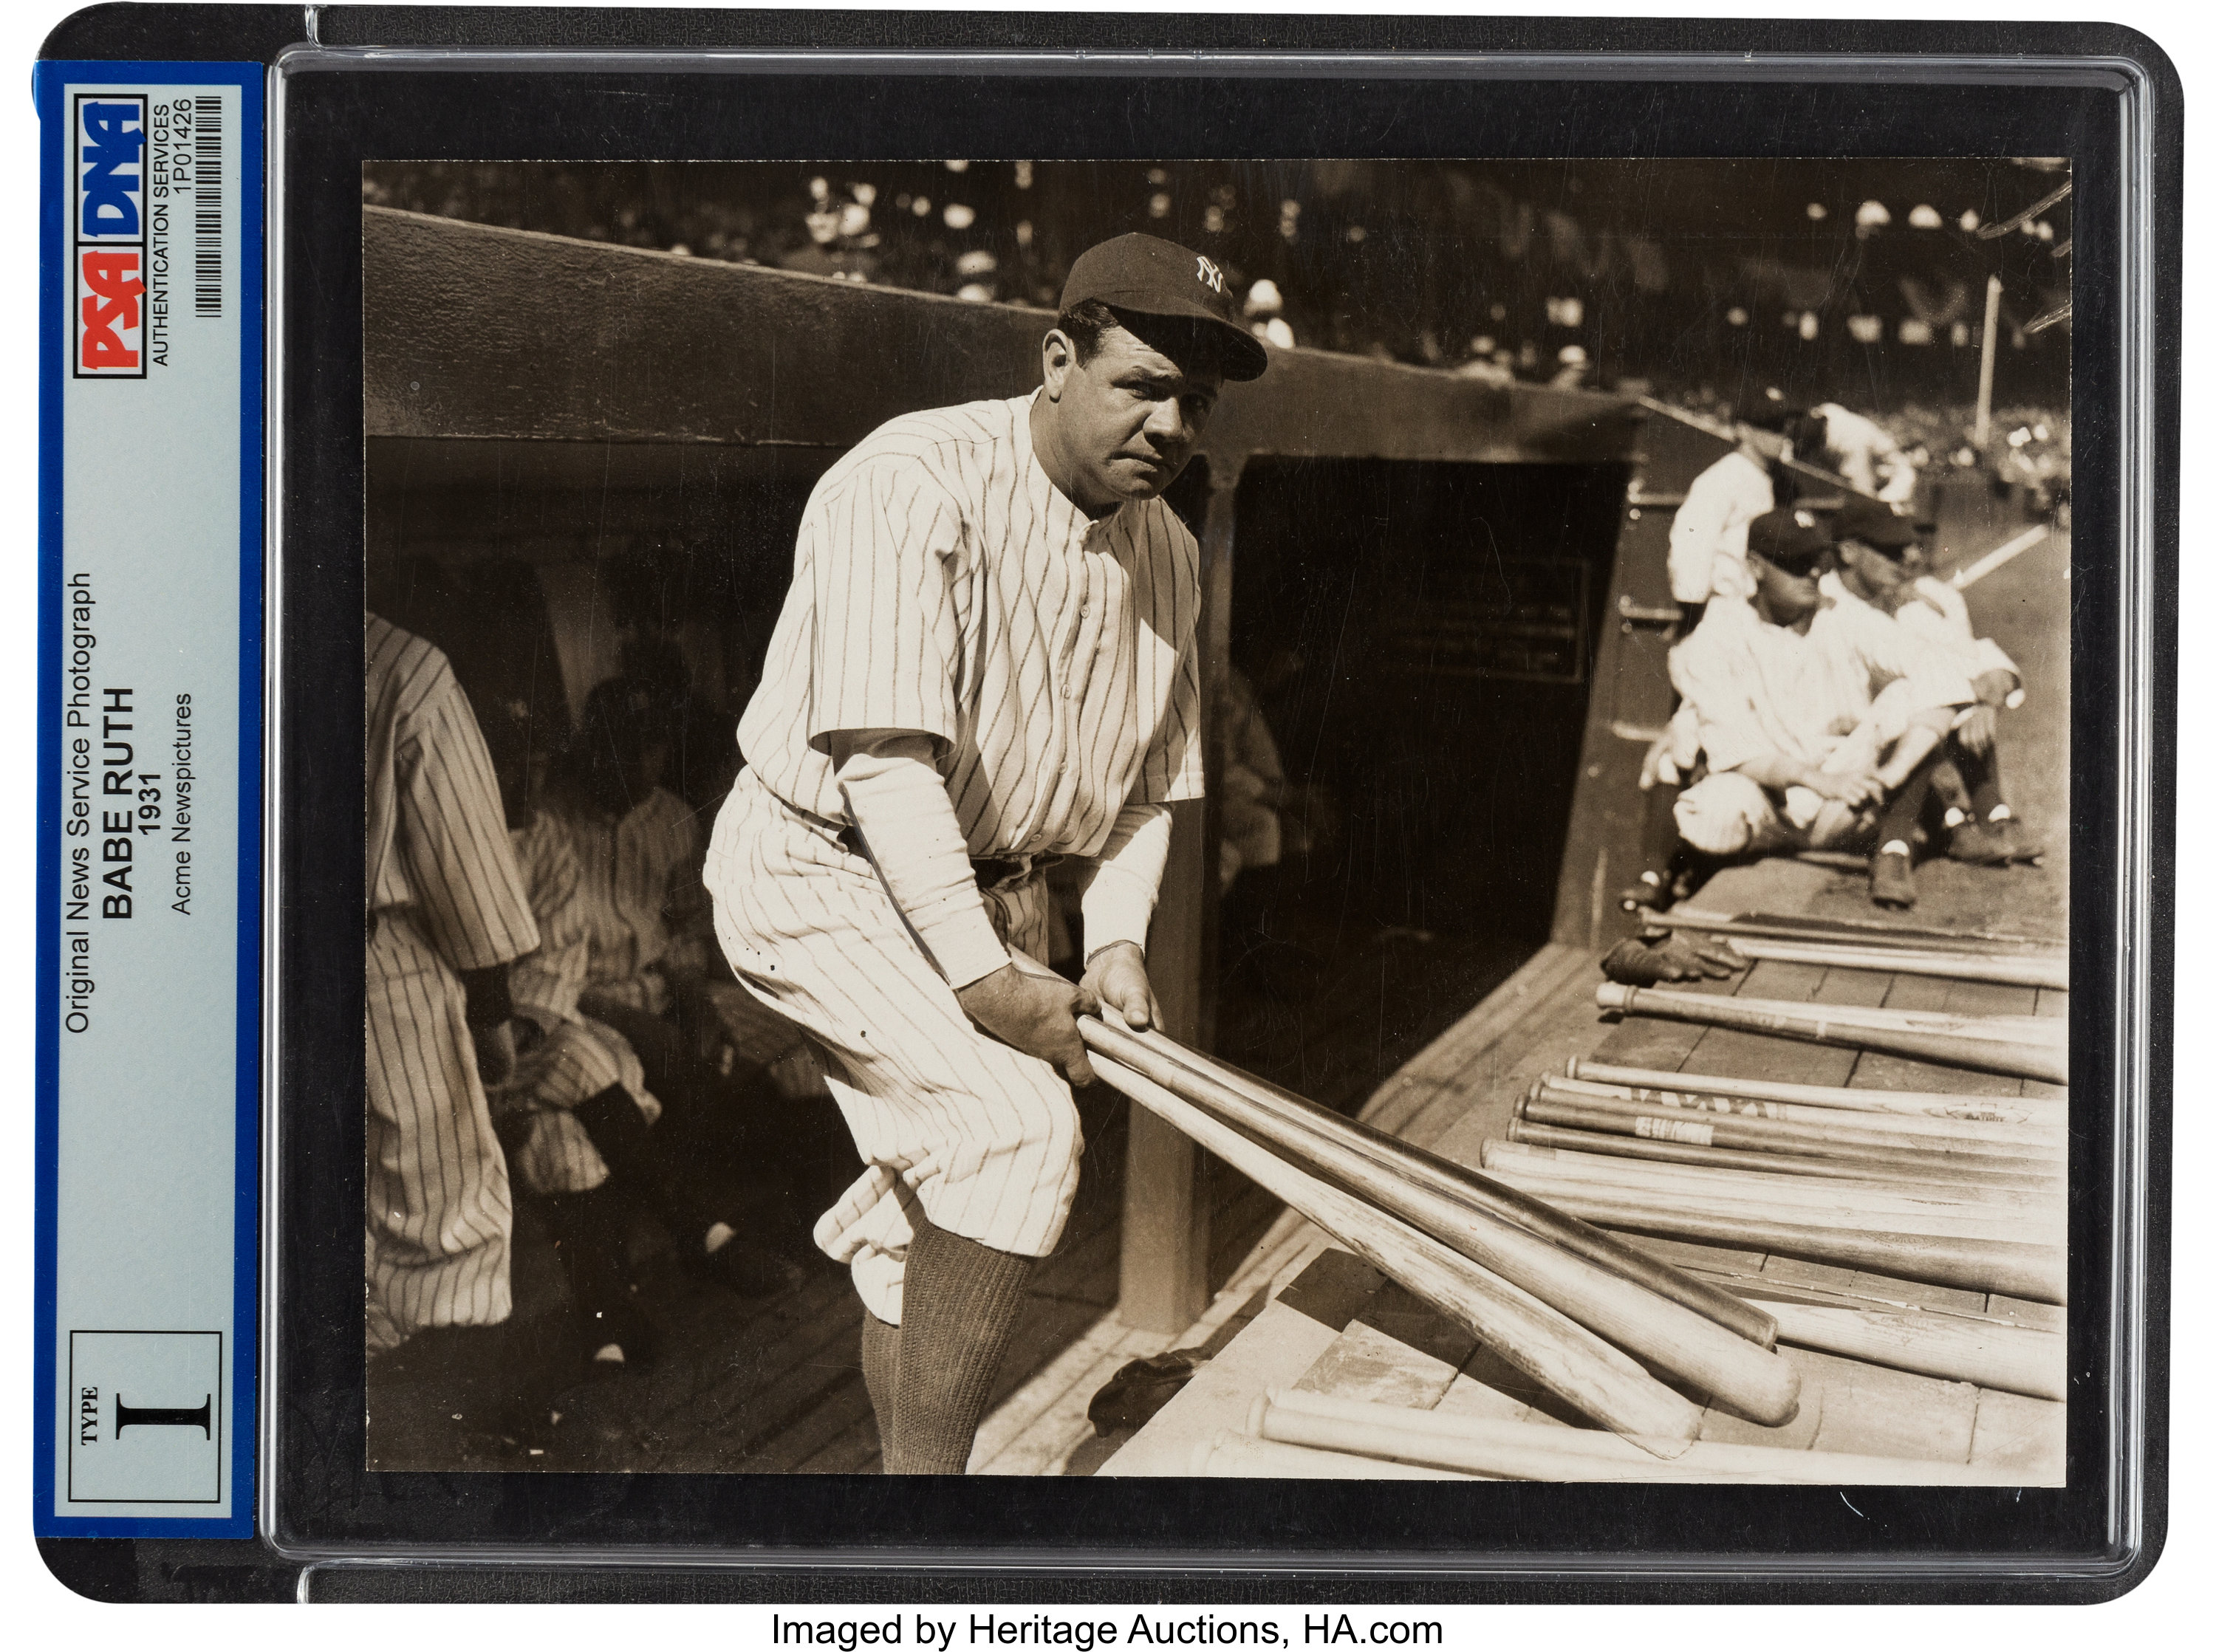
[107,233]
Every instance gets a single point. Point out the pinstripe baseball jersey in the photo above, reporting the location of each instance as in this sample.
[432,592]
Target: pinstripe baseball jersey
[943,584]
[640,899]
[444,894]
[436,838]
[577,1057]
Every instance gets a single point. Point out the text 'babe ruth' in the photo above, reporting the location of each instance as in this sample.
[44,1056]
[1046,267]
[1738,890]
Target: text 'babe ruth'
[988,661]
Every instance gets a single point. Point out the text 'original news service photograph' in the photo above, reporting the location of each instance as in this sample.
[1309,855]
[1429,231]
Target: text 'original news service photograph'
[1312,820]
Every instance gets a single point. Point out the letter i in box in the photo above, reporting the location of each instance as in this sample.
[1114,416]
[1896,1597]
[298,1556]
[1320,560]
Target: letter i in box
[109,233]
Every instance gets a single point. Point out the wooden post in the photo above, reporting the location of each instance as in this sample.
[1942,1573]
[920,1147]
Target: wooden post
[1165,1204]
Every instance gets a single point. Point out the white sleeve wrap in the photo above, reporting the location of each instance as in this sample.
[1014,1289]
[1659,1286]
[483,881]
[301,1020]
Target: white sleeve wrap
[908,822]
[1127,877]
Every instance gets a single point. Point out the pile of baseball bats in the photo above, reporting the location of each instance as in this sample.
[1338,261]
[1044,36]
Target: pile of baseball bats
[1963,1191]
[1583,1314]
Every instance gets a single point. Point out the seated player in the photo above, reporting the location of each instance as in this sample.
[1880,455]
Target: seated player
[1879,563]
[608,855]
[1819,724]
[1708,558]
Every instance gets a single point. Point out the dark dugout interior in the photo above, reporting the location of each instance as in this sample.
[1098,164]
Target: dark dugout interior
[1420,638]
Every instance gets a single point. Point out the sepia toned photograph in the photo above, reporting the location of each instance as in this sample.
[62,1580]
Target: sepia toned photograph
[1324,819]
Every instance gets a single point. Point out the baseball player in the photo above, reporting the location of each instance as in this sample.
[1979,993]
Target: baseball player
[1708,558]
[1879,564]
[445,912]
[1815,715]
[1858,448]
[988,661]
[1707,535]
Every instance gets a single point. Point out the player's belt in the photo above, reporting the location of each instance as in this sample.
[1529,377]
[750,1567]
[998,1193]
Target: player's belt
[1001,872]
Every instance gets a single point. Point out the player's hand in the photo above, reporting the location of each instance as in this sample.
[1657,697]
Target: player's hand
[1857,790]
[496,1053]
[1117,975]
[1978,730]
[1994,687]
[1035,1013]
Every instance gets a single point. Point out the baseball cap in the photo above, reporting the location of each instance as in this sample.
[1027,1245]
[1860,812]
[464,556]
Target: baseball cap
[1889,529]
[1150,276]
[1792,539]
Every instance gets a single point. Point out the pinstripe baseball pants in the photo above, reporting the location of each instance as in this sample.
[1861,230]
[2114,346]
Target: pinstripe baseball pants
[984,1138]
[437,1208]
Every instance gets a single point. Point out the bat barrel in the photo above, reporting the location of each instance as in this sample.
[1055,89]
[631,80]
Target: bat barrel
[1748,1378]
[1460,1183]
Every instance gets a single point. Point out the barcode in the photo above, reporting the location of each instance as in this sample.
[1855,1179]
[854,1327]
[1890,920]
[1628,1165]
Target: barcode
[208,210]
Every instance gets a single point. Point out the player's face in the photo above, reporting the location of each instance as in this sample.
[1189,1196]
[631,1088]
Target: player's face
[1129,418]
[1785,596]
[1875,575]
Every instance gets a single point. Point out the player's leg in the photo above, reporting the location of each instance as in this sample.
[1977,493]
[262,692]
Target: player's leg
[1892,879]
[1999,837]
[437,1211]
[959,1304]
[1726,814]
[966,1137]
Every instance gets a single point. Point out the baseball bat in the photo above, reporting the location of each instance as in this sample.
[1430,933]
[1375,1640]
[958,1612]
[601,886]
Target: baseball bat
[1872,1192]
[1501,1449]
[1833,1211]
[1732,1158]
[1875,1130]
[1748,1378]
[1228,1456]
[1762,1135]
[1559,1354]
[1455,1182]
[1816,1024]
[2008,1030]
[2000,969]
[1938,1104]
[2014,1358]
[2033,1272]
[1790,926]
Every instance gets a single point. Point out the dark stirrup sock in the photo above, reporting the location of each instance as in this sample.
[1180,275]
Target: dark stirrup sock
[959,1307]
[1659,841]
[1983,776]
[1898,821]
[881,1346]
[627,1142]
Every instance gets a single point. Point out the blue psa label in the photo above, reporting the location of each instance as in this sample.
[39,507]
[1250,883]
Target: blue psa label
[150,804]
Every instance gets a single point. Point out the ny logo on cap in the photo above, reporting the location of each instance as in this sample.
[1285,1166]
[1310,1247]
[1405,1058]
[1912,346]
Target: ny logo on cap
[1207,274]
[1801,518]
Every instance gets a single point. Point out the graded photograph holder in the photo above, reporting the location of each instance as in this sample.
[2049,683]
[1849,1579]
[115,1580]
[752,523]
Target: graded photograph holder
[1576,681]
